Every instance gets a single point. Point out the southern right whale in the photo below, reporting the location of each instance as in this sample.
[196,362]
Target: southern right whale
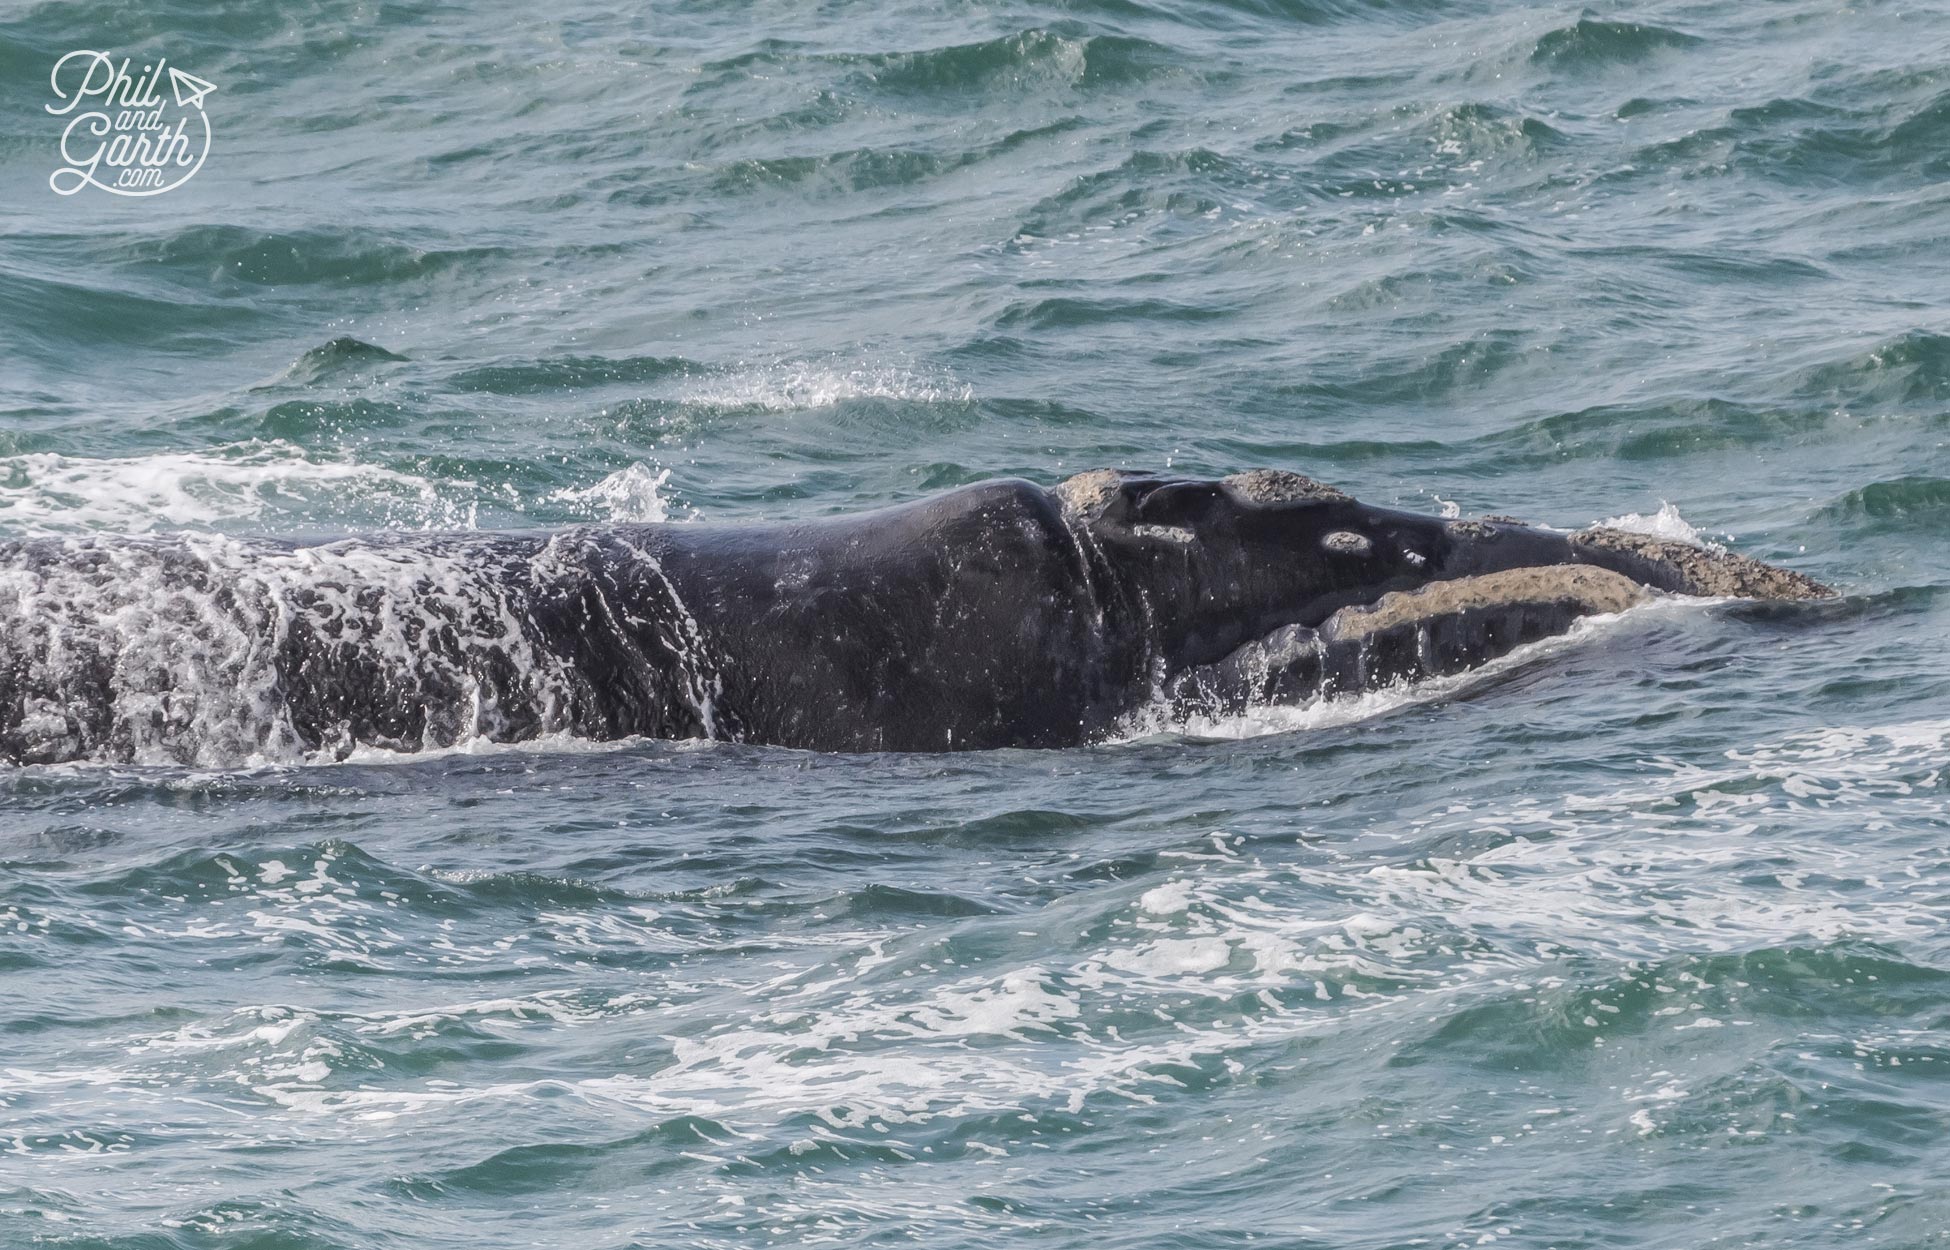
[999,614]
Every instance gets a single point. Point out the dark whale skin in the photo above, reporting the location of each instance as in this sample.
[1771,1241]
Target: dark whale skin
[999,614]
[969,620]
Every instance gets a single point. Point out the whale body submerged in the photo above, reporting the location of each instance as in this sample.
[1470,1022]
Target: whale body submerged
[1000,614]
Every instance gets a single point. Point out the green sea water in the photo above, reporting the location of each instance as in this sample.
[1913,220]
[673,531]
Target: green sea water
[1638,942]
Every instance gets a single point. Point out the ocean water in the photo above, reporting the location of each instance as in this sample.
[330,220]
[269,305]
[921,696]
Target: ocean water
[1638,941]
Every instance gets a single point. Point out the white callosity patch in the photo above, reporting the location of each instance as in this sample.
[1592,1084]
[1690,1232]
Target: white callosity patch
[1348,543]
[1593,591]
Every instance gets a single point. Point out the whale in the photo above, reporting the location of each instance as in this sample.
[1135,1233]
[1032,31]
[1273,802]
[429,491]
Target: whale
[998,614]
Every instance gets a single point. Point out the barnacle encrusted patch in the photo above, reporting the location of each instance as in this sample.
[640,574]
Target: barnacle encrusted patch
[1086,494]
[1281,486]
[1591,590]
[1679,566]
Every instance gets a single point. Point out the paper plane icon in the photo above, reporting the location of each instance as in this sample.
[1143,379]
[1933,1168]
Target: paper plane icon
[189,89]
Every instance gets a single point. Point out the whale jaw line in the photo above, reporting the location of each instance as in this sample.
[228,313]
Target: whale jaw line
[1438,629]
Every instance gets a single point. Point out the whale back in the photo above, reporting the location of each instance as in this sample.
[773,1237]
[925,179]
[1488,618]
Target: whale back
[969,619]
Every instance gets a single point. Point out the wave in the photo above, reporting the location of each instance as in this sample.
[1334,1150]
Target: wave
[53,310]
[1188,184]
[1069,59]
[1447,146]
[319,420]
[852,170]
[1065,58]
[1674,429]
[1592,42]
[300,875]
[1434,943]
[1657,907]
[1266,16]
[275,486]
[1911,369]
[240,256]
[1416,376]
[1765,984]
[1844,134]
[1478,130]
[1655,430]
[1071,312]
[555,374]
[340,358]
[857,169]
[546,1168]
[1870,148]
[1910,500]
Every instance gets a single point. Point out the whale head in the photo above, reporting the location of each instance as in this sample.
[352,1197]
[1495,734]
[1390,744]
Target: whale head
[1232,571]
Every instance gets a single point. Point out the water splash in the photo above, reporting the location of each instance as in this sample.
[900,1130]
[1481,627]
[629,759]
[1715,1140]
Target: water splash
[787,386]
[633,494]
[252,482]
[1665,523]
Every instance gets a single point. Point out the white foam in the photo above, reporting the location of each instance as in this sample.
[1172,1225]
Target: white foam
[1168,899]
[1173,957]
[46,493]
[1218,954]
[1593,881]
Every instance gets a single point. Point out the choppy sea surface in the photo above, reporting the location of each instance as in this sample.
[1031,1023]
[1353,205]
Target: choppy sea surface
[1638,942]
